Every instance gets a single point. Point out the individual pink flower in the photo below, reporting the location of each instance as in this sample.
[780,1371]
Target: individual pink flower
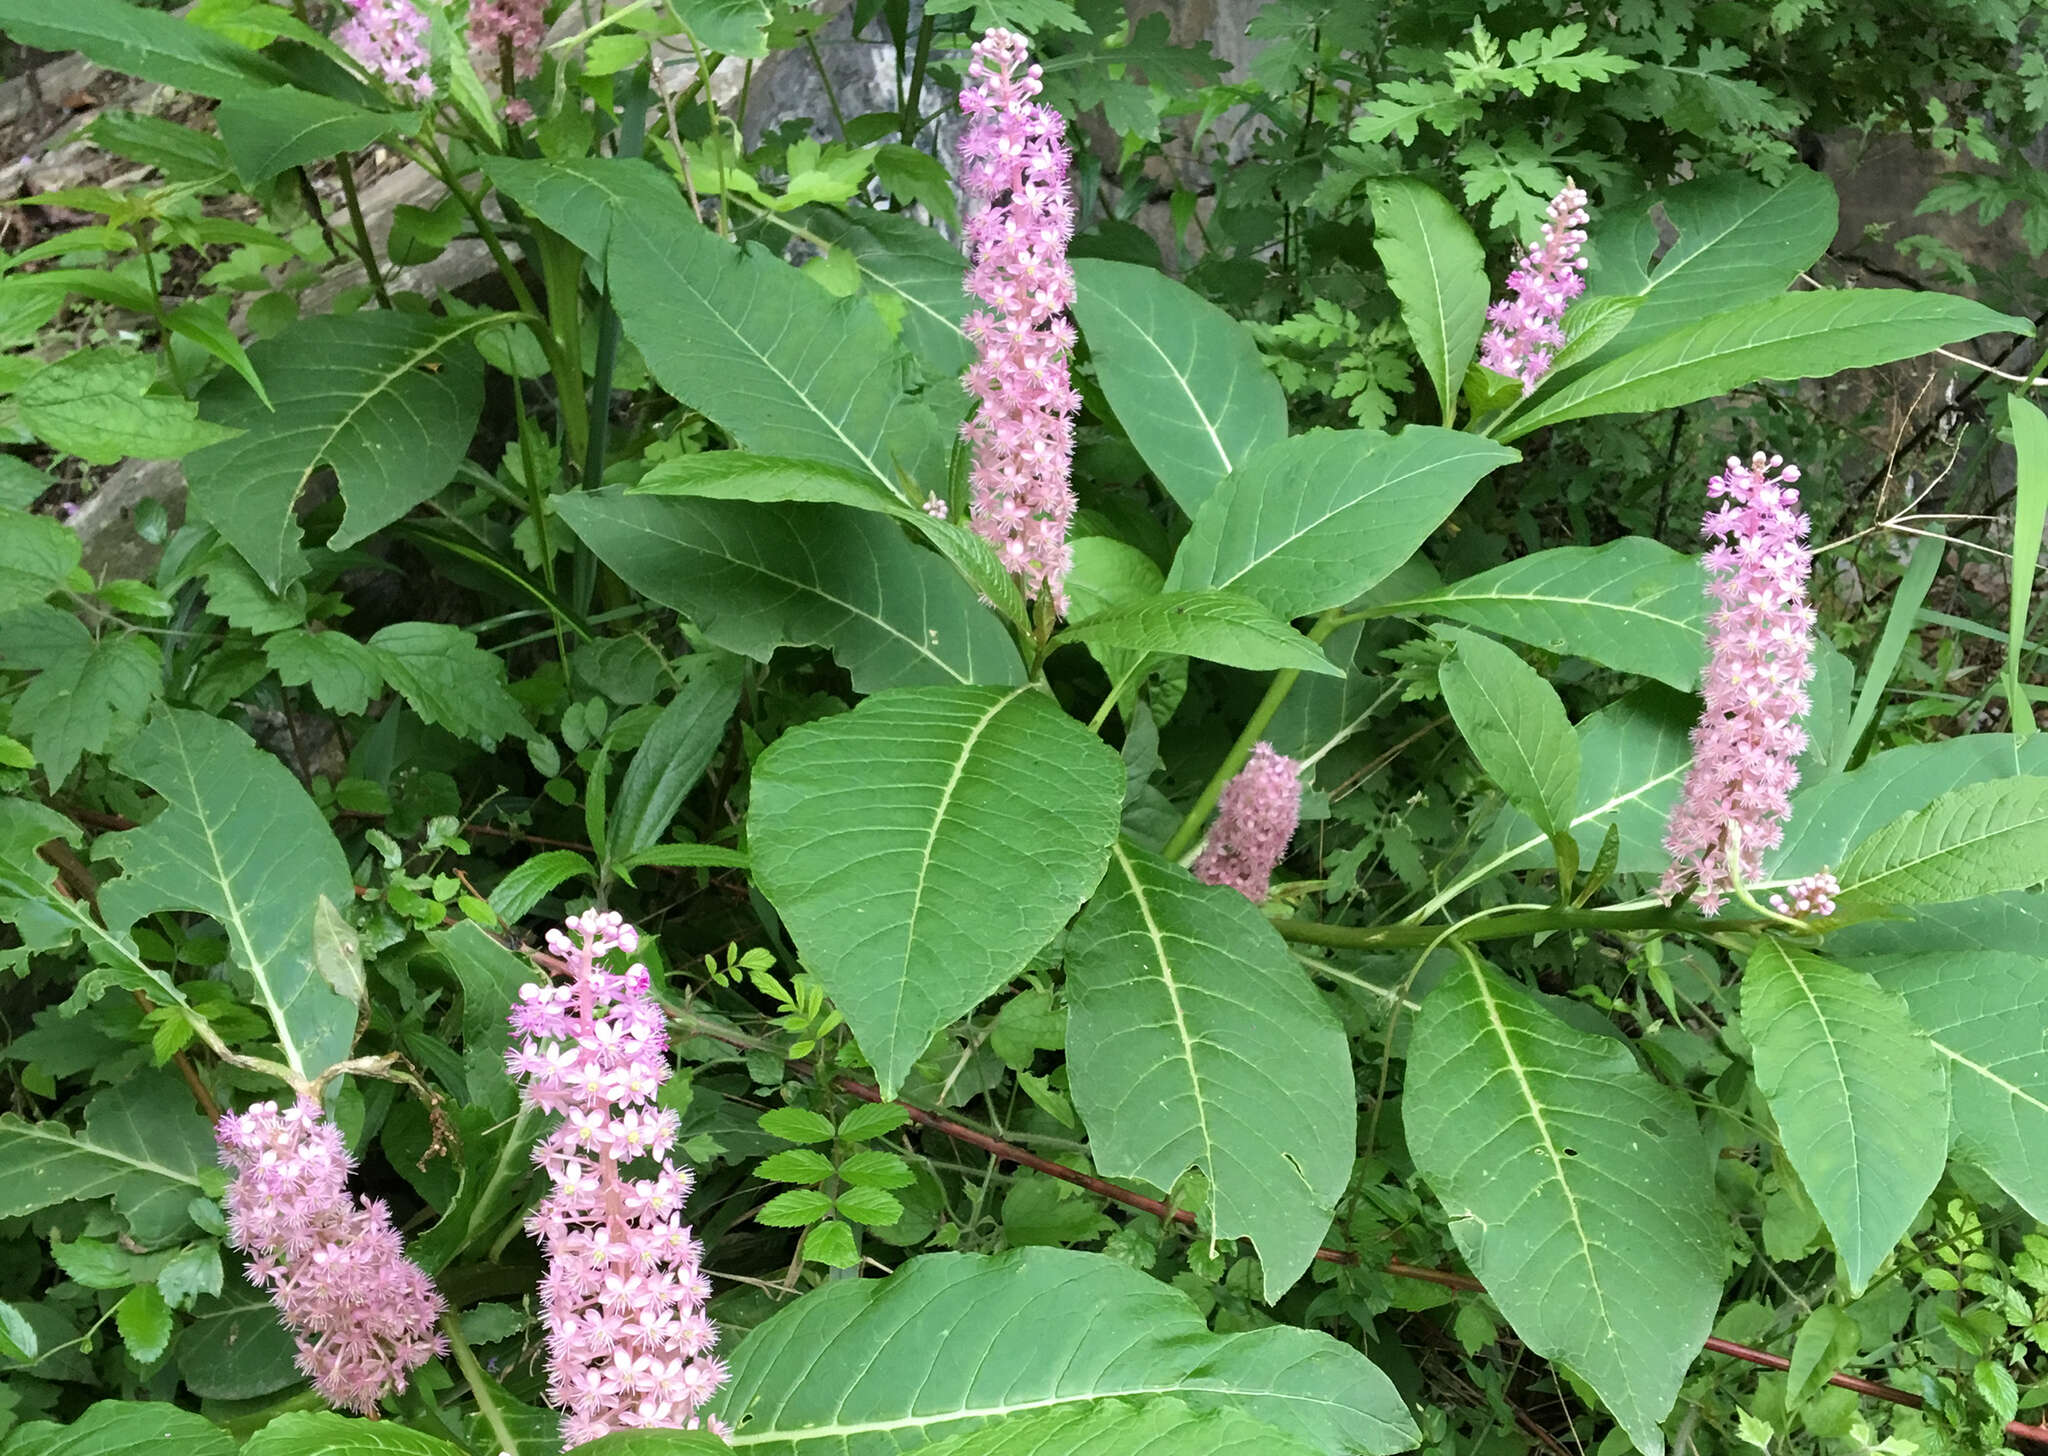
[388,38]
[1747,743]
[1525,334]
[624,1292]
[520,22]
[363,1314]
[1812,897]
[1256,816]
[1014,172]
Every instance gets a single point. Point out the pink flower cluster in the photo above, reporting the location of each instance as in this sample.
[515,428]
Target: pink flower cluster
[363,1314]
[1747,743]
[1014,172]
[518,25]
[1256,816]
[1813,897]
[629,1344]
[1525,337]
[388,38]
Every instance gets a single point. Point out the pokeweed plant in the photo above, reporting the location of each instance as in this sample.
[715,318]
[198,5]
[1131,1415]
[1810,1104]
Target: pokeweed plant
[955,653]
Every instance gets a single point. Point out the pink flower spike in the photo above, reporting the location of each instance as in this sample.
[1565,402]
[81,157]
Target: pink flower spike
[1256,816]
[1812,897]
[1747,743]
[1525,338]
[623,1297]
[1014,163]
[517,21]
[363,1314]
[388,38]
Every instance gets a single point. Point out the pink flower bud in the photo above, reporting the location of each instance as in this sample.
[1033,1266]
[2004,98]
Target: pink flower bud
[1525,338]
[1256,816]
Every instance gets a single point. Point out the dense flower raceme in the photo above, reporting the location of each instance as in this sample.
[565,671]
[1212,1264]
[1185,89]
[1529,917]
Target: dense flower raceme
[1256,816]
[497,27]
[388,38]
[624,1293]
[1525,336]
[1014,172]
[363,1314]
[1747,744]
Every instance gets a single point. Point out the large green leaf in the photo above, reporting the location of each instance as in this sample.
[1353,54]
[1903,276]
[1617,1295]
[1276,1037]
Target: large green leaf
[1193,1040]
[234,1348]
[122,1428]
[1578,1188]
[1516,727]
[144,1145]
[98,404]
[92,699]
[1831,817]
[274,131]
[742,475]
[1161,1426]
[1633,755]
[1739,240]
[449,680]
[1976,840]
[911,263]
[1437,270]
[1860,1096]
[766,353]
[328,1433]
[156,45]
[758,577]
[952,1342]
[1634,605]
[38,556]
[2029,520]
[1793,336]
[1987,1015]
[387,399]
[1183,376]
[924,846]
[729,27]
[1221,626]
[1314,521]
[240,840]
[674,754]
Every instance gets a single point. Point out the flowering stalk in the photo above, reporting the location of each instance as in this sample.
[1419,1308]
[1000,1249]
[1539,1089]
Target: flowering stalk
[1256,817]
[1525,335]
[623,1297]
[388,38]
[1014,172]
[1747,743]
[506,35]
[362,1313]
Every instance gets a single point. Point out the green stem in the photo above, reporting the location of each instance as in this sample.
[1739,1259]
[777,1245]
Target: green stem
[632,136]
[1505,927]
[907,118]
[1262,716]
[486,1403]
[831,96]
[345,167]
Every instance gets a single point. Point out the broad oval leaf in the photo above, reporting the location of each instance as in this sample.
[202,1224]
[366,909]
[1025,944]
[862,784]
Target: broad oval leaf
[924,846]
[1976,840]
[1793,336]
[1220,626]
[156,45]
[1193,1040]
[352,391]
[1183,376]
[1437,270]
[1831,817]
[1860,1097]
[771,357]
[1161,1426]
[143,1144]
[1516,727]
[275,130]
[1738,240]
[1316,520]
[759,577]
[328,1433]
[1578,1189]
[1986,1013]
[674,754]
[952,1342]
[241,841]
[910,262]
[234,1348]
[123,1428]
[1634,605]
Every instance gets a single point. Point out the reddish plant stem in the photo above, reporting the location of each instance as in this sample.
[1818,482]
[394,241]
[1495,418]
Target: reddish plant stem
[1101,1187]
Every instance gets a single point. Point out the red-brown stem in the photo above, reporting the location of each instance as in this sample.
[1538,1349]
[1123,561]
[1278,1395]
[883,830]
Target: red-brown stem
[1102,1187]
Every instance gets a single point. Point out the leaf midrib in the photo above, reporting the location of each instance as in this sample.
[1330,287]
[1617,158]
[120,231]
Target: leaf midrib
[1194,402]
[1951,847]
[1848,1103]
[77,1143]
